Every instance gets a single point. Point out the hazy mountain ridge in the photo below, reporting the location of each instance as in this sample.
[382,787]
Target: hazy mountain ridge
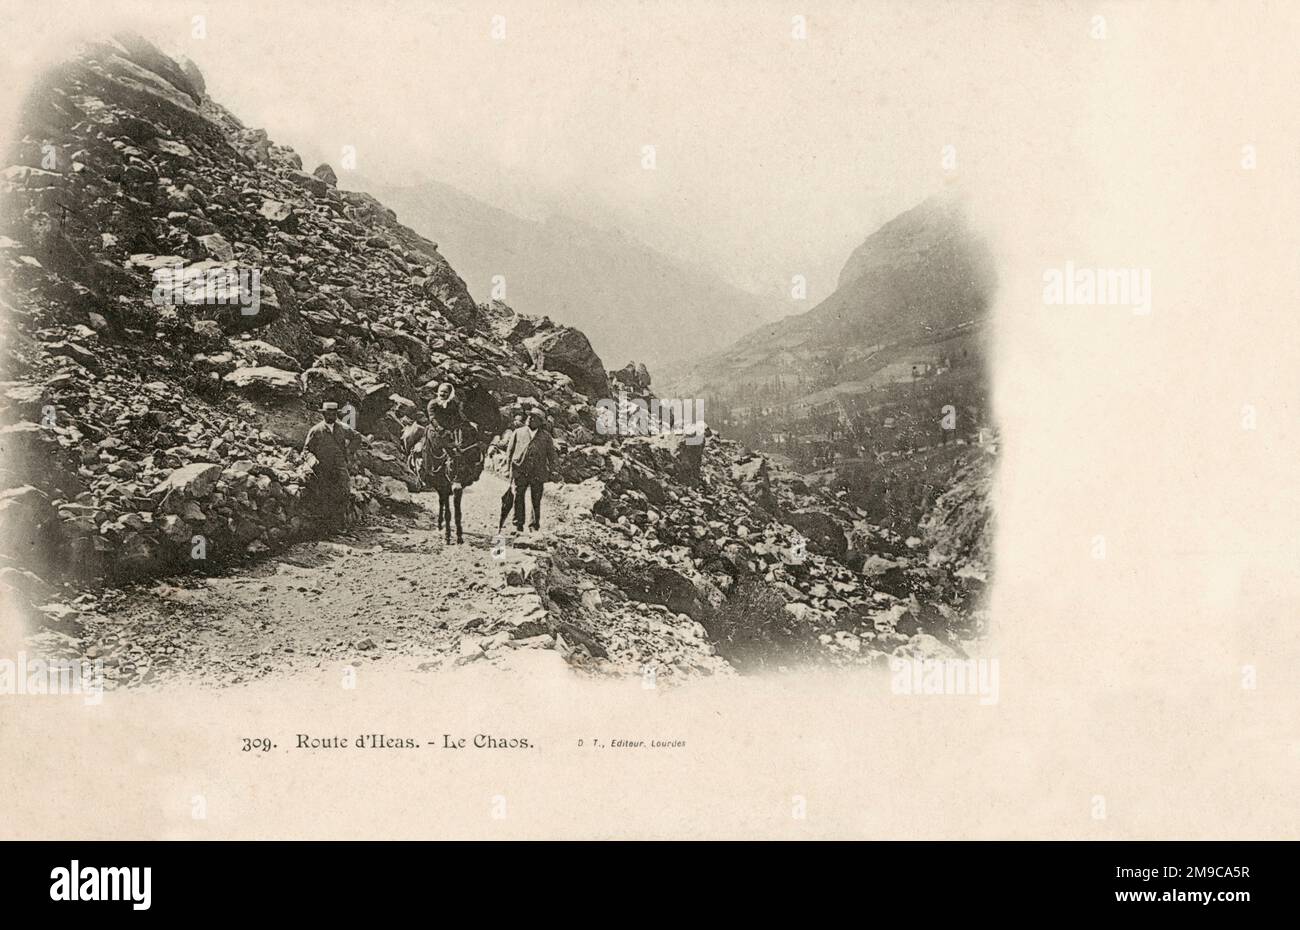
[875,390]
[631,300]
[912,283]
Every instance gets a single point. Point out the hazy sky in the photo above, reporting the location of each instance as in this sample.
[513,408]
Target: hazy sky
[774,155]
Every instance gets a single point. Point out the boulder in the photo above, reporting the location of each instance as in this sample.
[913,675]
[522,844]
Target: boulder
[257,353]
[265,382]
[279,214]
[276,211]
[78,353]
[19,401]
[30,454]
[216,247]
[29,526]
[138,555]
[394,490]
[181,75]
[658,584]
[569,352]
[375,402]
[824,534]
[446,287]
[193,481]
[754,477]
[322,383]
[679,454]
[634,377]
[193,75]
[311,182]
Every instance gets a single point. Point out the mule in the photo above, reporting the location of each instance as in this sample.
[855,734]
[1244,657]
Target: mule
[448,465]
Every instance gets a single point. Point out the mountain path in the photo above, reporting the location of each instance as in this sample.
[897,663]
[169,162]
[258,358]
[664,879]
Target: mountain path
[395,591]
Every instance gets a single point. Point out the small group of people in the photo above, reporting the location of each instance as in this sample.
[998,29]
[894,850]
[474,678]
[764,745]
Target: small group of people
[531,458]
[443,448]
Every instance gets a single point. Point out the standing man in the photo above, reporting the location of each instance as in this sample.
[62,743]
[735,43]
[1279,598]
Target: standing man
[332,443]
[508,498]
[532,458]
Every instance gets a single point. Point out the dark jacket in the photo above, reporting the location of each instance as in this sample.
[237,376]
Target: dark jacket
[531,457]
[451,417]
[333,445]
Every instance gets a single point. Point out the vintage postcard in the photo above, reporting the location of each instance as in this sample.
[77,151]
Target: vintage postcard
[682,420]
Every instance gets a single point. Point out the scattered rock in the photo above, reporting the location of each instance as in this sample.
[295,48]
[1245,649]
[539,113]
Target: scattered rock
[265,382]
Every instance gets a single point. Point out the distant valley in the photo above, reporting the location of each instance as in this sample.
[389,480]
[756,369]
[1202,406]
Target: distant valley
[633,302]
[880,389]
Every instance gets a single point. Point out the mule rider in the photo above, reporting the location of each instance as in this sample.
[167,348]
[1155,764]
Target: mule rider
[445,410]
[452,457]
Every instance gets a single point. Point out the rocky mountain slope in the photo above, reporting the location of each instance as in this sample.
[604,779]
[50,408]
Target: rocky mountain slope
[880,389]
[144,439]
[920,286]
[630,300]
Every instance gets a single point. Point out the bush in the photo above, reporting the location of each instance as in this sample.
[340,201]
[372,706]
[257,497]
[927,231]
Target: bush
[753,631]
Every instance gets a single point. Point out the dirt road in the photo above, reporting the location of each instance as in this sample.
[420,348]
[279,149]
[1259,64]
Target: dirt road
[381,592]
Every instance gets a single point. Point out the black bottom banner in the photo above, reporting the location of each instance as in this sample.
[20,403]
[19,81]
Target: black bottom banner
[268,878]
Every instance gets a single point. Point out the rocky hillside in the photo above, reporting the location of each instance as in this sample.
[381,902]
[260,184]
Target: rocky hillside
[630,300]
[142,438]
[879,390]
[150,423]
[918,287]
[911,304]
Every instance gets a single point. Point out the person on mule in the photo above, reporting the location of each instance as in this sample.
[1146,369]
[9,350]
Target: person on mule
[451,462]
[452,456]
[446,410]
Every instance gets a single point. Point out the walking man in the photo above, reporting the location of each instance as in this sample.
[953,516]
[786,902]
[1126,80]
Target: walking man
[532,458]
[508,498]
[332,443]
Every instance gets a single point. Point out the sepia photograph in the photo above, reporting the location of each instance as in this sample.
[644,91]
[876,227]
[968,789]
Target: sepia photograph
[587,421]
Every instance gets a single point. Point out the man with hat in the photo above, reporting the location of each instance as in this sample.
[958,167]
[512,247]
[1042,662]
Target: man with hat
[332,442]
[508,498]
[532,458]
